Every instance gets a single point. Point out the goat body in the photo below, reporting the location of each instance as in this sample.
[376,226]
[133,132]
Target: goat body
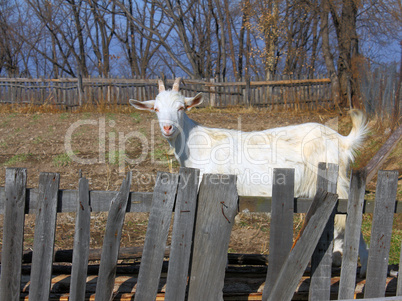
[252,156]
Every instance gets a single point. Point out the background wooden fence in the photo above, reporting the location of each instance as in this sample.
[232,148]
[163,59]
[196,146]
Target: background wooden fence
[204,246]
[70,92]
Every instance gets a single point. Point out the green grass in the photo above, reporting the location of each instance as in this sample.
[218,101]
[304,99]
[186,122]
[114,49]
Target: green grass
[136,117]
[35,118]
[159,154]
[396,237]
[115,157]
[396,240]
[61,160]
[38,140]
[110,116]
[16,159]
[87,115]
[6,121]
[64,116]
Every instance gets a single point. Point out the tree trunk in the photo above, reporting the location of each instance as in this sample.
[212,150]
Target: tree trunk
[271,37]
[81,61]
[221,22]
[328,57]
[244,22]
[314,47]
[345,27]
[230,38]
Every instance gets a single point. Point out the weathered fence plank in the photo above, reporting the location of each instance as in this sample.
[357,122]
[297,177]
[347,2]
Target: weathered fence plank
[297,261]
[156,236]
[45,229]
[182,236]
[13,233]
[352,235]
[81,243]
[399,284]
[100,201]
[381,232]
[217,207]
[111,242]
[281,228]
[321,260]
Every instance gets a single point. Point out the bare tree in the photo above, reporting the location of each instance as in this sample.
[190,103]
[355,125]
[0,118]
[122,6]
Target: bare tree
[62,33]
[203,39]
[245,7]
[103,13]
[264,19]
[10,45]
[158,36]
[139,44]
[326,48]
[183,14]
[232,53]
[76,7]
[344,20]
[300,42]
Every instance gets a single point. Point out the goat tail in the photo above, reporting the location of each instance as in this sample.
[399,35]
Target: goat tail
[359,130]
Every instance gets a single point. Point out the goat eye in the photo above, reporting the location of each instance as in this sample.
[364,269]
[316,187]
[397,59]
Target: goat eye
[156,110]
[181,109]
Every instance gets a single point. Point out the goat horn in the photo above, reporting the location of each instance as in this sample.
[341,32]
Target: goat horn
[176,84]
[161,86]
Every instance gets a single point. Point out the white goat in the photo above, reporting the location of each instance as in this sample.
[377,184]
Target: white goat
[252,156]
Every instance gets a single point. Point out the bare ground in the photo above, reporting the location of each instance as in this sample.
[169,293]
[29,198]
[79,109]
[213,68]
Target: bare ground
[36,141]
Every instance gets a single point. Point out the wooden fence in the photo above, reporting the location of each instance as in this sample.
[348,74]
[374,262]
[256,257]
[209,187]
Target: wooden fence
[284,92]
[202,222]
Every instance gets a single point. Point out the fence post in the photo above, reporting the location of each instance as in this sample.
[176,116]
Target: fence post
[81,243]
[183,226]
[321,261]
[212,94]
[156,236]
[352,235]
[217,207]
[111,242]
[45,227]
[248,91]
[381,232]
[297,261]
[281,229]
[80,89]
[399,284]
[13,233]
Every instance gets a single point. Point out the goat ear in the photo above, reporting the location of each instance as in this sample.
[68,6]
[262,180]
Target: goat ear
[193,101]
[143,105]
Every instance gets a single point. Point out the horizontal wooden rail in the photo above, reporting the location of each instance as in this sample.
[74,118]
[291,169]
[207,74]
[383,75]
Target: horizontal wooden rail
[141,202]
[270,83]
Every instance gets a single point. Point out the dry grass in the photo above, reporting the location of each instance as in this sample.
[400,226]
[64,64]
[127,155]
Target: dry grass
[100,108]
